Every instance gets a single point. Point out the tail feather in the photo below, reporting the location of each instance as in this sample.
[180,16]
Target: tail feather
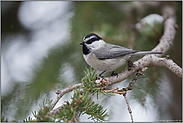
[146,52]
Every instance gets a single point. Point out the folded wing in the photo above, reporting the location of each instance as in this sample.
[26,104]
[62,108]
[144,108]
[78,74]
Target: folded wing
[112,51]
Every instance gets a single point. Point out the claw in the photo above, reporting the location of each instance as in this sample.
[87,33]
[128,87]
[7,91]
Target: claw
[114,74]
[100,75]
[130,64]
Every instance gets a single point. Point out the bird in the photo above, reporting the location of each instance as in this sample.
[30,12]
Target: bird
[107,57]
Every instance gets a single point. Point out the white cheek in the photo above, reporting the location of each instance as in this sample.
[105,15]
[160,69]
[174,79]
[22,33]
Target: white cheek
[96,44]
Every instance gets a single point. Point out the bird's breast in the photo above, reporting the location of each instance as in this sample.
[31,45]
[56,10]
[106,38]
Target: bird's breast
[106,64]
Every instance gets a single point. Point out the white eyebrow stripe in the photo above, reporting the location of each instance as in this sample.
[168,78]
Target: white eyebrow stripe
[93,36]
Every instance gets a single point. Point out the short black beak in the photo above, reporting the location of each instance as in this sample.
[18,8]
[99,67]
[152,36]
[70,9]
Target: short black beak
[81,43]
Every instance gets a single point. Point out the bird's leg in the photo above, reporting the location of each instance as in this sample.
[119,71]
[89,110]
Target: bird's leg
[114,74]
[100,75]
[130,64]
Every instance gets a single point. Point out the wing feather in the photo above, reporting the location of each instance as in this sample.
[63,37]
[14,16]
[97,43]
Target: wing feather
[112,51]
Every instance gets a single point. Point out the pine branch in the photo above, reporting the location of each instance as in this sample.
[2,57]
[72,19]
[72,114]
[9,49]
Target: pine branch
[81,102]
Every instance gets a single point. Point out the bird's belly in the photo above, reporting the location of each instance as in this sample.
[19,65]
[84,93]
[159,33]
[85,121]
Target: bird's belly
[107,64]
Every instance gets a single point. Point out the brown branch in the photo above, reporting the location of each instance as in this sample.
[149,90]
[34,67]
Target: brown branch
[129,109]
[124,91]
[107,91]
[168,63]
[130,87]
[53,112]
[75,120]
[64,91]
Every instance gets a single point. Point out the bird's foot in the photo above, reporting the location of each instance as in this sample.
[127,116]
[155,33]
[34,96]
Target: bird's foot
[114,74]
[130,64]
[100,75]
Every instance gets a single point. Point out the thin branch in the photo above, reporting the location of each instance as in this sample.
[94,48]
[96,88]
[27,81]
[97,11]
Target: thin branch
[75,120]
[55,111]
[124,91]
[107,91]
[64,91]
[129,109]
[130,87]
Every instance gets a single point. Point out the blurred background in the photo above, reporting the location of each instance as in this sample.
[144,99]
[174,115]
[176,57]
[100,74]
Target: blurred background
[40,53]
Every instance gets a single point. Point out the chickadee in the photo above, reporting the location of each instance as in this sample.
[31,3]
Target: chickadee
[104,56]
